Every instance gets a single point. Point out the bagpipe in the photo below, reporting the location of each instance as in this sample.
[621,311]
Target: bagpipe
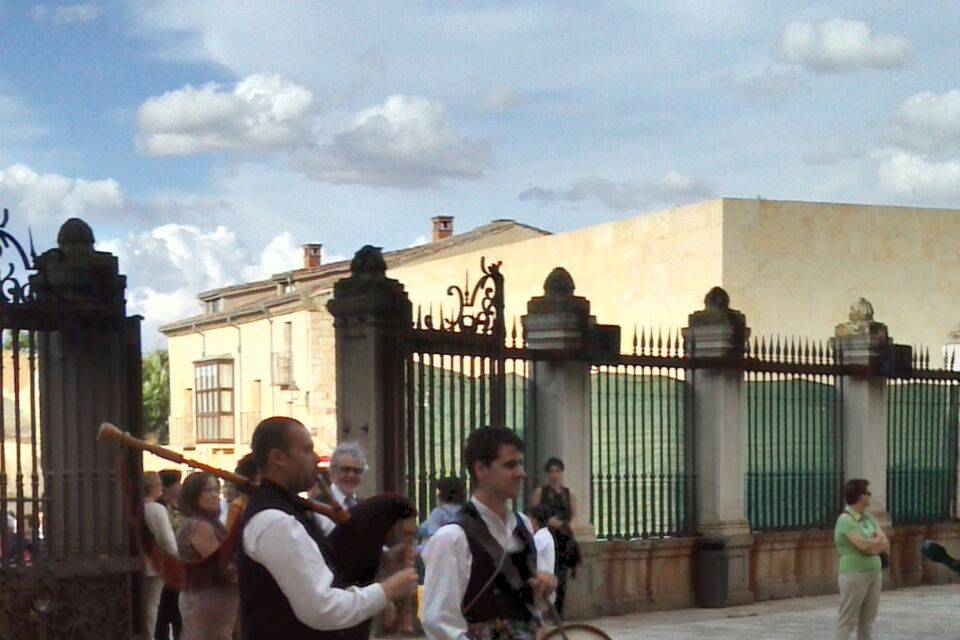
[937,553]
[357,540]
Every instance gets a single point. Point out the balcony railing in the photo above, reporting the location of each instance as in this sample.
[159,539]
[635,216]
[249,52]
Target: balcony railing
[282,369]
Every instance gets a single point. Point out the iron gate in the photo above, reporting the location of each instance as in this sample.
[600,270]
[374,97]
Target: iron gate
[70,360]
[460,373]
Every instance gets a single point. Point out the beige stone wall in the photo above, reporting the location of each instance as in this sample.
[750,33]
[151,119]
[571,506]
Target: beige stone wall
[794,268]
[653,269]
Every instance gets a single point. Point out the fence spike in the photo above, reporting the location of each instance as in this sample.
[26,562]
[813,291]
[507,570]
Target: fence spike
[762,348]
[793,348]
[634,339]
[419,318]
[659,340]
[677,349]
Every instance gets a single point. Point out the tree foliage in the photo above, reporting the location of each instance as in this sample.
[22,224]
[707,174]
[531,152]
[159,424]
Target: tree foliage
[156,396]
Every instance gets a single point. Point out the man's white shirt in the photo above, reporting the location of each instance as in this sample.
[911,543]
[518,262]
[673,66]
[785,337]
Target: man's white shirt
[546,552]
[279,542]
[448,561]
[340,496]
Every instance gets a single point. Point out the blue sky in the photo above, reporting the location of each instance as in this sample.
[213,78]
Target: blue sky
[205,141]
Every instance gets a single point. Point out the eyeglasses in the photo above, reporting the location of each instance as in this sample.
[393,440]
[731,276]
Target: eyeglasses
[357,471]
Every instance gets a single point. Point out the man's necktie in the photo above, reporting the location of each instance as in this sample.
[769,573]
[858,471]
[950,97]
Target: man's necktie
[351,501]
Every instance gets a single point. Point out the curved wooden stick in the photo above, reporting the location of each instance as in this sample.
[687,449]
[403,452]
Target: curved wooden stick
[110,433]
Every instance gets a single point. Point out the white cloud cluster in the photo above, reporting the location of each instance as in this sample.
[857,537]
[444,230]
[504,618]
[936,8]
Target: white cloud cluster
[925,131]
[928,122]
[837,45]
[46,197]
[916,177]
[65,14]
[176,261]
[407,142]
[672,188]
[263,113]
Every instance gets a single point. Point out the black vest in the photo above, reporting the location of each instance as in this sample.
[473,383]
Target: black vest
[265,612]
[501,600]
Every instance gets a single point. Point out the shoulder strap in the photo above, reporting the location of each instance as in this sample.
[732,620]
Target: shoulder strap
[475,529]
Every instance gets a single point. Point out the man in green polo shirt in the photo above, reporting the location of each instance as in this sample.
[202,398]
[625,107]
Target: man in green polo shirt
[860,541]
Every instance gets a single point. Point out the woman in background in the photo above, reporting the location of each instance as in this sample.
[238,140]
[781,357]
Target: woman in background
[210,600]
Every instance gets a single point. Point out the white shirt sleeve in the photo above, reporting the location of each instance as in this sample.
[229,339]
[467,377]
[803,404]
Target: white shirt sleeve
[325,523]
[282,545]
[158,522]
[447,560]
[546,550]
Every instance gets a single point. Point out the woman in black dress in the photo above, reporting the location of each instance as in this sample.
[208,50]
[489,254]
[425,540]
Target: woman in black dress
[560,503]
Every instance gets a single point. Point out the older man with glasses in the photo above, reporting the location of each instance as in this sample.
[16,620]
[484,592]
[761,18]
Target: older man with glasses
[347,466]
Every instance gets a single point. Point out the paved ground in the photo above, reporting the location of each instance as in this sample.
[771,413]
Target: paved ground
[926,613]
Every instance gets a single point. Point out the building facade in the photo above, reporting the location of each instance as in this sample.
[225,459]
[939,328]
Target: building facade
[267,348]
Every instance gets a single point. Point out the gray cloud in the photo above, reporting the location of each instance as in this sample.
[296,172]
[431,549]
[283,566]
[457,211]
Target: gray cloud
[673,188]
[407,143]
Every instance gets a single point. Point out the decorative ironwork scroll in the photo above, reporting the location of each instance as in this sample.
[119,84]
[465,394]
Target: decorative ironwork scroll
[12,290]
[476,310]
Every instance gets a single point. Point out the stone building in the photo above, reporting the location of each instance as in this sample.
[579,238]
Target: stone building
[266,347]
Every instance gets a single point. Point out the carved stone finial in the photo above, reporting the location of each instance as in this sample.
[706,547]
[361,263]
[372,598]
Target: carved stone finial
[368,292]
[368,261]
[559,284]
[716,298]
[861,311]
[75,233]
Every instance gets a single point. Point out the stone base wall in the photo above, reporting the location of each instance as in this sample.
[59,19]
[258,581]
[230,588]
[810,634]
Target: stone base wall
[622,576]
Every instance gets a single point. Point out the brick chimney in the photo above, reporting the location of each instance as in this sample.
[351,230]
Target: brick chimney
[442,227]
[311,255]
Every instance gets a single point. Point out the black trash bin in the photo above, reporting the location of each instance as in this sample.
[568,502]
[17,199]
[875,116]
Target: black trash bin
[713,567]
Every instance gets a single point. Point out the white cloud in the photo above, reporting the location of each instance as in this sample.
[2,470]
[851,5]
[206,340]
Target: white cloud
[52,197]
[907,174]
[672,188]
[263,113]
[837,45]
[928,121]
[407,142]
[281,254]
[167,266]
[66,14]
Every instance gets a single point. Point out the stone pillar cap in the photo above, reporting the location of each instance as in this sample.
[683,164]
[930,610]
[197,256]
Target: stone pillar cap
[558,296]
[861,322]
[368,290]
[76,271]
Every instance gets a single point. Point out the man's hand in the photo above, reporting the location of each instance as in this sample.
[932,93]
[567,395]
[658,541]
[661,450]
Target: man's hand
[543,584]
[555,523]
[400,555]
[401,584]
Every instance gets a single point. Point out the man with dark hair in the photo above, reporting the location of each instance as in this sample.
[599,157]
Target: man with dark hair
[168,612]
[289,587]
[482,578]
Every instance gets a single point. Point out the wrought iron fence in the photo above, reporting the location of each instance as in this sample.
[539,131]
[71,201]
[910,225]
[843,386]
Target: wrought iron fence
[642,474]
[922,423]
[794,434]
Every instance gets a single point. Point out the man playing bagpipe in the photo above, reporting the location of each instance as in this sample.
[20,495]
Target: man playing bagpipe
[290,583]
[296,582]
[482,580]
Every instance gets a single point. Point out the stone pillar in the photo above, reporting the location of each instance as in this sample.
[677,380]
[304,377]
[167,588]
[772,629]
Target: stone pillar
[556,325]
[370,313]
[863,342]
[716,336]
[89,362]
